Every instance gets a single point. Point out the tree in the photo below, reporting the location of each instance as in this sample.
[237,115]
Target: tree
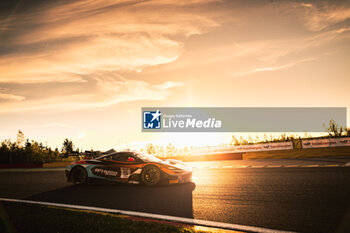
[169,150]
[20,139]
[333,129]
[151,149]
[284,137]
[161,152]
[347,131]
[67,146]
[257,139]
[186,151]
[266,139]
[250,139]
[234,141]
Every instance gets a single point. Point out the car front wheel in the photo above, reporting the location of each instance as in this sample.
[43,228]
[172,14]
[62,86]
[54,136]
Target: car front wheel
[150,175]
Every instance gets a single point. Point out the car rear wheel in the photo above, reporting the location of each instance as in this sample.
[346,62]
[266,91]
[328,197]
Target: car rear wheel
[79,175]
[150,175]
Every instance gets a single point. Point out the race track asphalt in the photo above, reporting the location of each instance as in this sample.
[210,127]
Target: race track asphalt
[302,199]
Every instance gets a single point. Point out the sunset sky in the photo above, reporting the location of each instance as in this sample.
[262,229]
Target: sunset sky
[83,69]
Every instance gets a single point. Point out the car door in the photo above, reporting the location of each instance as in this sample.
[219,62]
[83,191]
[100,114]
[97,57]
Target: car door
[117,167]
[127,163]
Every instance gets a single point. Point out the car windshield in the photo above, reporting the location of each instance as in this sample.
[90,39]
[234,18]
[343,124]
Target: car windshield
[105,157]
[147,157]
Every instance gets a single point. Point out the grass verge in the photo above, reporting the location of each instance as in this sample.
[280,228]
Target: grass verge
[28,218]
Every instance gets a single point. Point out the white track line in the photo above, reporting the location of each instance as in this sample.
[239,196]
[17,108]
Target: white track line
[156,216]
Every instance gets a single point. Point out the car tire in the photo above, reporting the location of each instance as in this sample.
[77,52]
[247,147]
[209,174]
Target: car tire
[79,176]
[150,176]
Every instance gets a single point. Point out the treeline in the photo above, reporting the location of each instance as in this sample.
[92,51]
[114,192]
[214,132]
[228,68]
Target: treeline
[30,151]
[332,129]
[169,151]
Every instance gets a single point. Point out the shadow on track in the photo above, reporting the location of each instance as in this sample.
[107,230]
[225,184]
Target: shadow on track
[175,200]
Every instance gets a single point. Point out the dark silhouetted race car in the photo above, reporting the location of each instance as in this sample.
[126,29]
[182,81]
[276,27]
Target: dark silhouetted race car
[129,167]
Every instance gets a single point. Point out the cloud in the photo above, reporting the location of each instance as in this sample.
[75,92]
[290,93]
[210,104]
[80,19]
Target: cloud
[114,91]
[268,36]
[11,97]
[306,5]
[97,44]
[321,15]
[93,44]
[273,68]
[110,90]
[47,125]
[62,42]
[271,55]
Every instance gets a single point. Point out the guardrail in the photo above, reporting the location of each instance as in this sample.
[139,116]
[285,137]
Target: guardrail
[245,148]
[325,142]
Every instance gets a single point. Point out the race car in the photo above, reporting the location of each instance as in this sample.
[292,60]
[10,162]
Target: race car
[129,167]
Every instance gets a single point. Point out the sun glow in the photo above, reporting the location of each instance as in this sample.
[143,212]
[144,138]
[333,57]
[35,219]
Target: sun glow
[90,66]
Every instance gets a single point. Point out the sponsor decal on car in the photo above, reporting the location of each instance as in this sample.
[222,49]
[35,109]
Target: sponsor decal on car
[124,172]
[104,172]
